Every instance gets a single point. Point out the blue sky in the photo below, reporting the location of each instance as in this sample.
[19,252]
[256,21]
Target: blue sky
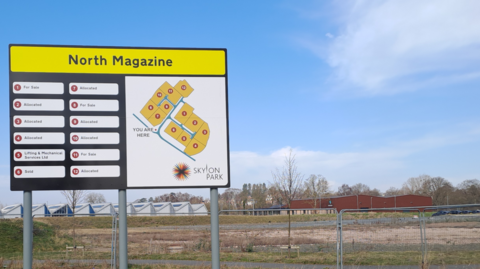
[363,91]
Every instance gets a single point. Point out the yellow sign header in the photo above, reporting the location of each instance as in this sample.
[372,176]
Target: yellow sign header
[117,60]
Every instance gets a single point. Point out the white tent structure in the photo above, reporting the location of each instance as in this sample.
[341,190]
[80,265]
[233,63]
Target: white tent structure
[199,209]
[103,209]
[12,211]
[60,210]
[130,209]
[164,209]
[40,211]
[144,209]
[182,208]
[84,210]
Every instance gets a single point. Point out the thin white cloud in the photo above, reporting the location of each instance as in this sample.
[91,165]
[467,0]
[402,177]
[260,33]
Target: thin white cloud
[380,168]
[385,47]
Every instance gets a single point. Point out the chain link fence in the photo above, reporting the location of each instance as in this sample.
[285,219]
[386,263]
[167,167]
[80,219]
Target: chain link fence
[385,236]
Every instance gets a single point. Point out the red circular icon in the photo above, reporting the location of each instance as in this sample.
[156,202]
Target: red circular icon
[170,91]
[75,171]
[157,116]
[166,106]
[18,172]
[18,121]
[194,122]
[18,155]
[75,154]
[17,87]
[74,104]
[75,138]
[74,88]
[205,132]
[195,145]
[184,138]
[18,138]
[17,104]
[184,113]
[173,129]
[184,87]
[150,107]
[159,94]
[74,121]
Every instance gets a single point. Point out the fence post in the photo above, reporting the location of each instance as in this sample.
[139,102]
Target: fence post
[339,241]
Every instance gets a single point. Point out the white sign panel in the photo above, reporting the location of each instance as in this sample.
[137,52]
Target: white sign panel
[176,132]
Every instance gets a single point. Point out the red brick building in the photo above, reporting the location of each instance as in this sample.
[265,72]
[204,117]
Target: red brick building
[360,202]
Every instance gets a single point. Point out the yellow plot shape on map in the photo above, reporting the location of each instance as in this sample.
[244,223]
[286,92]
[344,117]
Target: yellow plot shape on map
[194,147]
[185,112]
[173,130]
[148,109]
[203,134]
[194,122]
[158,96]
[170,91]
[157,117]
[166,107]
[184,138]
[184,88]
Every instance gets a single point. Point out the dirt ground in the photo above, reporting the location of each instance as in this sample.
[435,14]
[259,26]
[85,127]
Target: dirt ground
[156,240]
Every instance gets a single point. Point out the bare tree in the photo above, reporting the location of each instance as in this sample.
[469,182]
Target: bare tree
[95,198]
[288,182]
[344,190]
[316,186]
[74,197]
[392,191]
[416,185]
[360,188]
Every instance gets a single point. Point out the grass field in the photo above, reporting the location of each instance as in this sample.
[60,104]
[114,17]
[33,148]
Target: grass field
[140,221]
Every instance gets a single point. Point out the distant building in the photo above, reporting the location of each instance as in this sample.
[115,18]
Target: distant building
[328,205]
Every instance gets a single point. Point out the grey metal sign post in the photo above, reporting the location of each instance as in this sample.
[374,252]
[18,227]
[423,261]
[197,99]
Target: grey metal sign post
[27,230]
[214,228]
[122,210]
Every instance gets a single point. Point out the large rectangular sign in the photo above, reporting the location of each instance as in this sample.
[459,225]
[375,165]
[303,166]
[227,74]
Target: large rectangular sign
[118,118]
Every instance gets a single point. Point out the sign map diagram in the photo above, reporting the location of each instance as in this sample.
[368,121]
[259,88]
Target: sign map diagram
[185,126]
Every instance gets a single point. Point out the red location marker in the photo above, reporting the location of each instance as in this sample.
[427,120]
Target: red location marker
[18,138]
[17,87]
[75,171]
[195,145]
[184,138]
[74,105]
[184,113]
[17,104]
[18,121]
[75,138]
[150,107]
[170,91]
[74,121]
[18,172]
[166,106]
[75,154]
[194,122]
[184,87]
[205,132]
[159,94]
[18,155]
[74,88]
[173,129]
[157,116]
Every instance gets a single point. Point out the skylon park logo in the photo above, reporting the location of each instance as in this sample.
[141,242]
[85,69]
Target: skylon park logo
[181,171]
